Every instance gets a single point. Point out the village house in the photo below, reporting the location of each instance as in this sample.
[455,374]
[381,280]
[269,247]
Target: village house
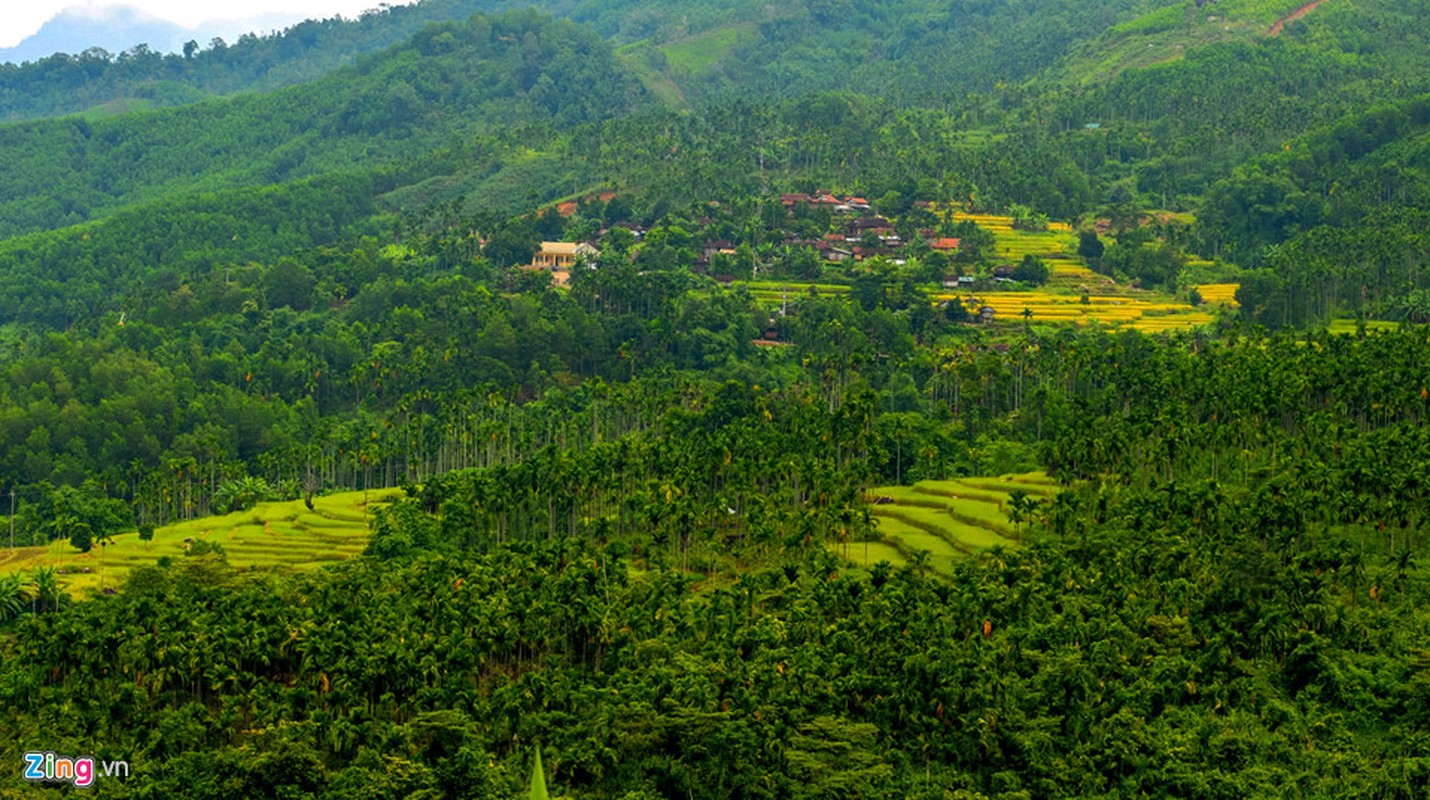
[558,258]
[944,245]
[878,226]
[637,231]
[718,247]
[826,199]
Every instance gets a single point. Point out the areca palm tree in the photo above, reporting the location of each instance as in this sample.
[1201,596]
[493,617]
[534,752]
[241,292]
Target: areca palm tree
[47,594]
[1021,507]
[12,596]
[919,560]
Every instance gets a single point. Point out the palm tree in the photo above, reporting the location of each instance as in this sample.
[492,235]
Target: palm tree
[47,595]
[1020,509]
[12,596]
[919,559]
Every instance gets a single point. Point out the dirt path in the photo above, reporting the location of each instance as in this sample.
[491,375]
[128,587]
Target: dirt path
[1293,16]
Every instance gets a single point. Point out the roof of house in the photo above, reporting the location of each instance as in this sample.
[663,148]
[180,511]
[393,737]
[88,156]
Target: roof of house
[870,222]
[944,244]
[566,248]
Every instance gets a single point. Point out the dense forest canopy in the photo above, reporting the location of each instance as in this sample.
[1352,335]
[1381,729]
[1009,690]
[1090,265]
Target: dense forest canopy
[989,400]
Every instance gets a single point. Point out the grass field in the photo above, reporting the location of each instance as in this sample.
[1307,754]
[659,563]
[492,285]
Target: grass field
[660,84]
[950,520]
[1347,327]
[1168,33]
[698,54]
[271,535]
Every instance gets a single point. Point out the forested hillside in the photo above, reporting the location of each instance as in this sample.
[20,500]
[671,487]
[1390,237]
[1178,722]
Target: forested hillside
[458,80]
[705,48]
[988,400]
[102,83]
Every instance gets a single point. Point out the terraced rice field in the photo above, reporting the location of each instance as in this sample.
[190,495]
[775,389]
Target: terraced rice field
[1057,243]
[1347,327]
[949,520]
[1150,315]
[1219,293]
[271,535]
[770,294]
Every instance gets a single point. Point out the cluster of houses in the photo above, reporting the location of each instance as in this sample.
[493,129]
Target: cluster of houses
[844,205]
[875,236]
[864,235]
[559,258]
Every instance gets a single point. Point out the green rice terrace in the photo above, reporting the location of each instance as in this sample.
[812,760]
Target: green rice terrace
[270,535]
[939,523]
[772,294]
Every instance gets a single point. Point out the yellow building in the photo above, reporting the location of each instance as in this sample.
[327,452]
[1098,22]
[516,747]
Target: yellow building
[559,258]
[560,255]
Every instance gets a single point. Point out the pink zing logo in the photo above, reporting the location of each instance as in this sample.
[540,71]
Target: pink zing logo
[76,771]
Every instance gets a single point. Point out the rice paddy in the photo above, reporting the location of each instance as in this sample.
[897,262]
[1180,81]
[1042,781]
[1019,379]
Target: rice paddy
[282,535]
[1219,293]
[1057,245]
[1060,301]
[946,521]
[1349,327]
[1143,313]
[771,294]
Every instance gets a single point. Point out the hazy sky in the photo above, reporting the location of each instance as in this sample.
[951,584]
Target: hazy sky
[21,18]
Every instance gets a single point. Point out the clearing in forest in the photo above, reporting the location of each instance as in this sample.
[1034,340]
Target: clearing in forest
[943,522]
[282,534]
[1143,313]
[1293,16]
[1219,293]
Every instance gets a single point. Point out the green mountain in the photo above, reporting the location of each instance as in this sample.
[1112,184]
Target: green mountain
[453,82]
[100,83]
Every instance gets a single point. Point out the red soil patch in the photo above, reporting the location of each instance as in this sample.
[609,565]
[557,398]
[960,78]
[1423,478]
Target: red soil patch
[1293,16]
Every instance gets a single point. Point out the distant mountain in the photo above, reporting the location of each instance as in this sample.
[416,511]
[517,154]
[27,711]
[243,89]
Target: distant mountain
[254,54]
[115,29]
